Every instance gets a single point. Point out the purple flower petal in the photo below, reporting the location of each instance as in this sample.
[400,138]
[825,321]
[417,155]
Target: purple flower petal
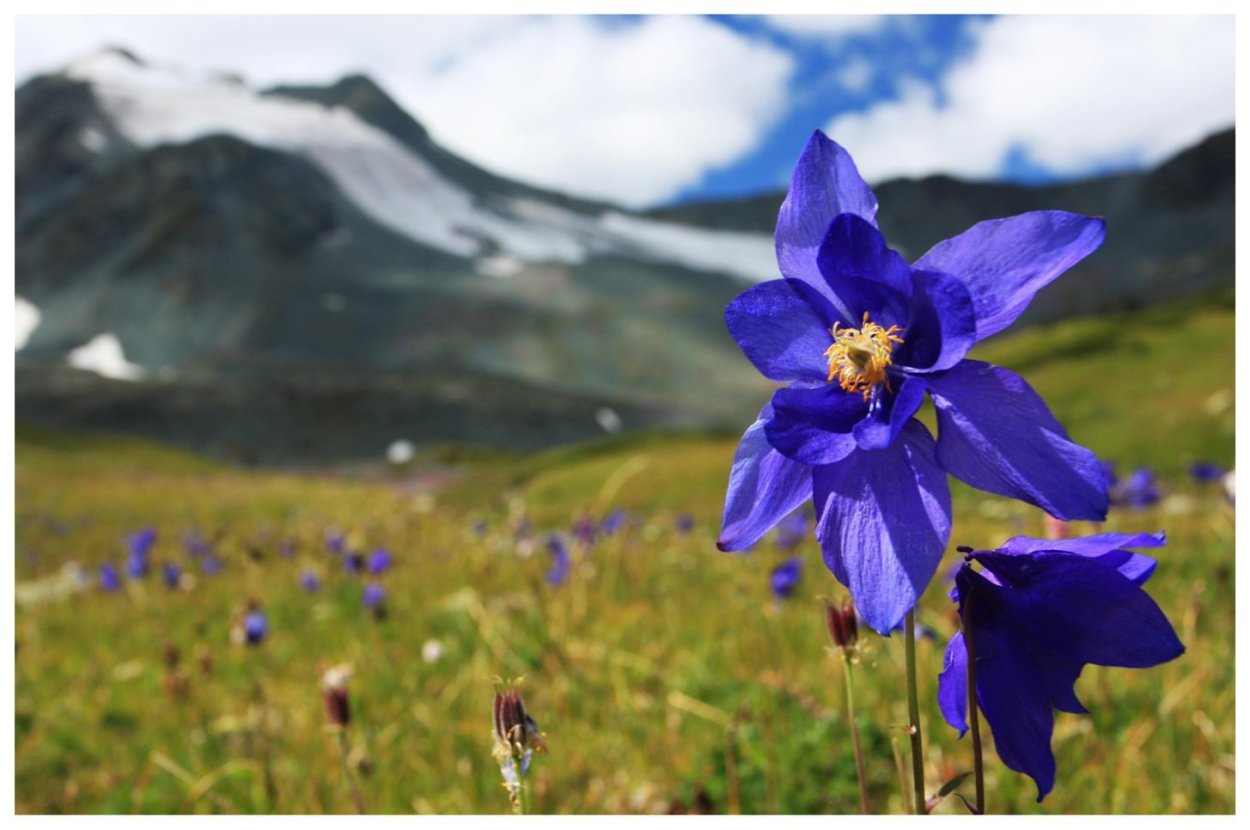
[997,435]
[884,522]
[889,412]
[943,324]
[1107,547]
[780,332]
[863,274]
[812,425]
[764,486]
[1012,692]
[1087,612]
[1004,262]
[825,184]
[953,684]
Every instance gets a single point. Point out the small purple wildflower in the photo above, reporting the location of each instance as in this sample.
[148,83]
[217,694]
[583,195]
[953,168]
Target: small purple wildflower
[309,582]
[584,531]
[109,580]
[195,545]
[171,573]
[684,523]
[334,541]
[255,627]
[1206,472]
[1141,490]
[785,578]
[210,564]
[379,561]
[354,562]
[373,596]
[614,522]
[559,560]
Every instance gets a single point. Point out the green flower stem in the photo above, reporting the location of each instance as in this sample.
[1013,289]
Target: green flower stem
[974,720]
[913,711]
[850,716]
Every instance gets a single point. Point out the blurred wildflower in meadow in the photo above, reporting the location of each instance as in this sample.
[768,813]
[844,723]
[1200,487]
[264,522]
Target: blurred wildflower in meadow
[379,561]
[171,574]
[684,523]
[614,522]
[373,597]
[560,560]
[334,541]
[254,627]
[1036,613]
[785,578]
[138,561]
[862,337]
[109,580]
[793,529]
[309,582]
[1205,472]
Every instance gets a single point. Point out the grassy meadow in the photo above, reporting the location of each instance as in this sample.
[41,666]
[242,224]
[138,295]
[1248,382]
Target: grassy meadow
[663,673]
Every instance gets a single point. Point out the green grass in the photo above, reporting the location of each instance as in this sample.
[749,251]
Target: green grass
[661,672]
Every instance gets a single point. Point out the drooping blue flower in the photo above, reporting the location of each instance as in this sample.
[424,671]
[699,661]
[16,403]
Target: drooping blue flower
[109,580]
[379,561]
[786,577]
[1038,611]
[1206,472]
[309,581]
[862,337]
[560,561]
[171,573]
[255,627]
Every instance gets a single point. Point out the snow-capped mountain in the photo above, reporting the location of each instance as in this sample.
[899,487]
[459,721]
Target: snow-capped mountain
[300,241]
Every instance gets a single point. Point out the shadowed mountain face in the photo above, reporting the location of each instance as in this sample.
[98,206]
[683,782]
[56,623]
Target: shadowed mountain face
[303,274]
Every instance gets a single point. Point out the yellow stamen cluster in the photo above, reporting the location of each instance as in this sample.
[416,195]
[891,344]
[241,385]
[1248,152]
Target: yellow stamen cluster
[859,357]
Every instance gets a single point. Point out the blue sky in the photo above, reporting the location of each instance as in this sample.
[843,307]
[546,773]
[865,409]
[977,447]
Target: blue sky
[652,110]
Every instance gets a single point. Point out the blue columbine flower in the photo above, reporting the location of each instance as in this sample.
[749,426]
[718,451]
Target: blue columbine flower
[559,561]
[863,336]
[379,561]
[109,580]
[786,577]
[1039,610]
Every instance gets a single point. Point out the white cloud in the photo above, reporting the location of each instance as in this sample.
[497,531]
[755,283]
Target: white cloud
[631,111]
[1075,92]
[827,25]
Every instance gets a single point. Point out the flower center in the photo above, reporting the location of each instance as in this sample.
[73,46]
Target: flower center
[859,357]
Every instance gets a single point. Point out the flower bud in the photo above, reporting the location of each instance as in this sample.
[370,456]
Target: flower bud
[843,625]
[334,693]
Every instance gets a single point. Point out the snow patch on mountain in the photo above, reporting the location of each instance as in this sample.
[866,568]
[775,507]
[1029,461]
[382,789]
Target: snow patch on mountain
[103,355]
[26,317]
[389,182]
